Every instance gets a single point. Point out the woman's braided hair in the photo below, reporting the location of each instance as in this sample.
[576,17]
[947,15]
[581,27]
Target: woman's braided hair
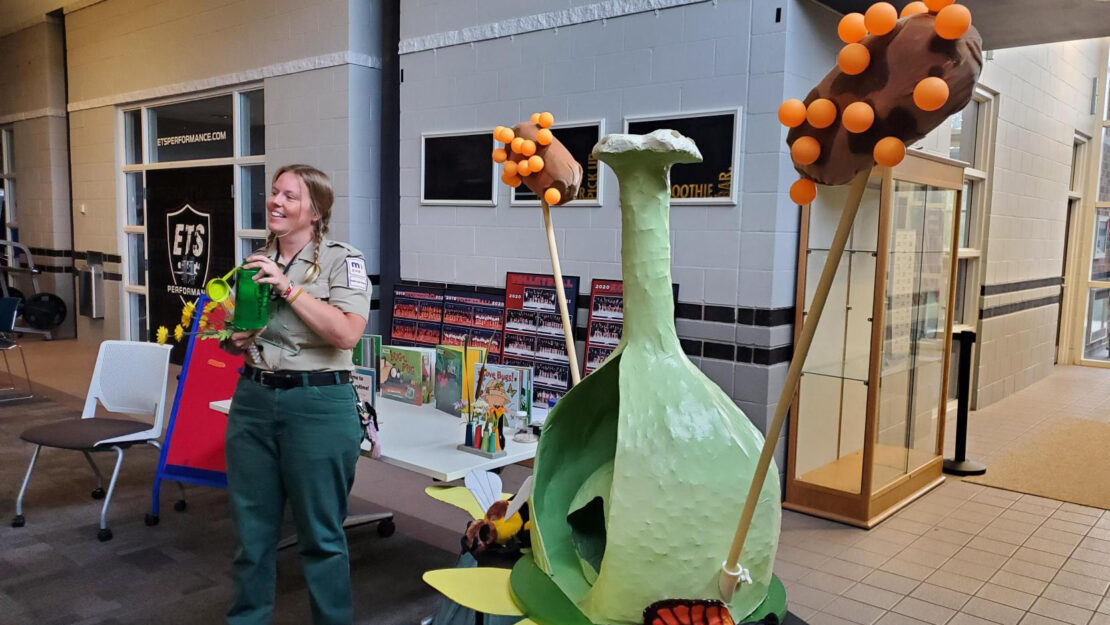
[321,196]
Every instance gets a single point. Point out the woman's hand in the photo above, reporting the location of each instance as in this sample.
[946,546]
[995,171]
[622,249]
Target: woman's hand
[268,272]
[239,342]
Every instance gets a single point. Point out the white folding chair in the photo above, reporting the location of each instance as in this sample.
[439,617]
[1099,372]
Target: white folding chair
[130,377]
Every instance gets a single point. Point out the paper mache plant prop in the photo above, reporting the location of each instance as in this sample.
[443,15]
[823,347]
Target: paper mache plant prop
[895,81]
[534,157]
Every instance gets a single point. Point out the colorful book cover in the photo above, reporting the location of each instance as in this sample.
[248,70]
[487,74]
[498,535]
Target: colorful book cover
[368,352]
[402,374]
[508,387]
[365,380]
[452,376]
[427,372]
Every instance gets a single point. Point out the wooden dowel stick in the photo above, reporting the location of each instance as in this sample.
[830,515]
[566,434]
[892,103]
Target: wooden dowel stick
[557,273]
[730,571]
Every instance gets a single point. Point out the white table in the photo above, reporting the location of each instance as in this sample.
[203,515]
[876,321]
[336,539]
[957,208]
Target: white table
[424,440]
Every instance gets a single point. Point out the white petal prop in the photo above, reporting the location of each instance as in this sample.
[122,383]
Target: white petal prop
[482,589]
[521,498]
[486,487]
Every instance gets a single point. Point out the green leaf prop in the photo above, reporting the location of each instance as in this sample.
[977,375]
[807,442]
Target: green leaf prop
[642,469]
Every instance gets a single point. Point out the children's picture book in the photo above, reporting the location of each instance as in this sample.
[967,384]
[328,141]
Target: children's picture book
[365,380]
[368,352]
[533,330]
[509,387]
[427,372]
[454,382]
[402,374]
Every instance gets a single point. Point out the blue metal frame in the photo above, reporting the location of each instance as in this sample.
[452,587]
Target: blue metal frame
[177,473]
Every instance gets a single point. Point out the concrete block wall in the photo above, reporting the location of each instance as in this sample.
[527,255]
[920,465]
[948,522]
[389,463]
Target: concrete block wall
[1045,95]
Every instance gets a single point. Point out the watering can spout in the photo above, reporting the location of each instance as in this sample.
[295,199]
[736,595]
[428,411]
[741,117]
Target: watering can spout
[218,289]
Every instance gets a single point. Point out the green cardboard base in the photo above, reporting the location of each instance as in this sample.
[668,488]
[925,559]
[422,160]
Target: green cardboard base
[543,602]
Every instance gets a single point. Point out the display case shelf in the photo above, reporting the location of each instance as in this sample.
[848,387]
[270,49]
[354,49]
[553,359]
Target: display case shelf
[867,423]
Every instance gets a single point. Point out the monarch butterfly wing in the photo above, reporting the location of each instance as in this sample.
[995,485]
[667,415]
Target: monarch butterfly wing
[688,612]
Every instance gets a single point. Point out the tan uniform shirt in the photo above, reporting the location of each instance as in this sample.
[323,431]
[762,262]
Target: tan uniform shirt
[287,342]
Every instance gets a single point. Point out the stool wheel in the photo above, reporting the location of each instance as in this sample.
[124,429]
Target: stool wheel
[180,505]
[104,535]
[18,521]
[98,493]
[150,519]
[386,528]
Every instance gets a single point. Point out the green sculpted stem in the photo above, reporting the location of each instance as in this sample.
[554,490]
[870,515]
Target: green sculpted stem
[643,468]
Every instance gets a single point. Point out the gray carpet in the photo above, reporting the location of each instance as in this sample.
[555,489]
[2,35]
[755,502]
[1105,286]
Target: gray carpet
[54,571]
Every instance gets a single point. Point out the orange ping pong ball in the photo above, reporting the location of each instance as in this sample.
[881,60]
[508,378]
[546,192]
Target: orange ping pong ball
[857,117]
[510,168]
[792,113]
[930,94]
[544,137]
[506,135]
[937,5]
[545,120]
[914,8]
[528,148]
[821,113]
[535,117]
[535,164]
[953,21]
[803,191]
[851,28]
[889,151]
[552,196]
[517,144]
[853,59]
[510,179]
[880,18]
[499,155]
[805,150]
[522,168]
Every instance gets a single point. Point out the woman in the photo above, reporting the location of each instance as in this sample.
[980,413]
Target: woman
[293,431]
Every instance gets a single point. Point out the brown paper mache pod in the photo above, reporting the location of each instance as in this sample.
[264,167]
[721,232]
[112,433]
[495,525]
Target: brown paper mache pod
[560,171]
[899,60]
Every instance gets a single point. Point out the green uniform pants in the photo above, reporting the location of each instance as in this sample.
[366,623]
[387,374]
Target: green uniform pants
[297,445]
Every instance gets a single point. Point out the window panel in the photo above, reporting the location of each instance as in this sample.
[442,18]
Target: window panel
[1104,168]
[252,123]
[136,215]
[136,259]
[252,181]
[249,246]
[961,141]
[133,137]
[1100,248]
[1095,343]
[139,329]
[198,129]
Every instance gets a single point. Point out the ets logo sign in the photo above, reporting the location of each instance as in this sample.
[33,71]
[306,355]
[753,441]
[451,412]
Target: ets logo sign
[188,234]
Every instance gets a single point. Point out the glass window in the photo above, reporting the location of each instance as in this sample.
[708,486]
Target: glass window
[133,137]
[252,123]
[5,151]
[197,129]
[253,199]
[1104,168]
[1100,249]
[136,259]
[961,142]
[137,306]
[1076,173]
[1095,343]
[961,286]
[966,199]
[136,216]
[249,246]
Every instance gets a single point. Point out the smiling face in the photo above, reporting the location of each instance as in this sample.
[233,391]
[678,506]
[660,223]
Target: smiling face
[290,206]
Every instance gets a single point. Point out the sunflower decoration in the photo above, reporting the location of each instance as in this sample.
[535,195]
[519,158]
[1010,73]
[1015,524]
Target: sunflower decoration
[209,325]
[161,335]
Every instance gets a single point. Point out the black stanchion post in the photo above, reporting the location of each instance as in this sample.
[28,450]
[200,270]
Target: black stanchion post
[960,465]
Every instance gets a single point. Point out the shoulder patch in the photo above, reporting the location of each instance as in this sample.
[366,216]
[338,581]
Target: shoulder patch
[356,274]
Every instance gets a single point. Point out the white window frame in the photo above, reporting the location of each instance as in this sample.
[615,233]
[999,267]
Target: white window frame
[238,160]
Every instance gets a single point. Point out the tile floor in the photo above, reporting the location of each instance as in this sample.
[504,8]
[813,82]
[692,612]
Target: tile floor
[962,555]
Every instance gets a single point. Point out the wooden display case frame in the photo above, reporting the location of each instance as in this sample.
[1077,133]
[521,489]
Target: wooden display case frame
[875,502]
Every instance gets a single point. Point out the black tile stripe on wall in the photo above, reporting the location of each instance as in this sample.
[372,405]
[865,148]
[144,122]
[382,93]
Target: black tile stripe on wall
[997,311]
[1024,285]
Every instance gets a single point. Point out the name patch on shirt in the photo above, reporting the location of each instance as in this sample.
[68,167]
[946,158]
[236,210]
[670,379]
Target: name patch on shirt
[356,274]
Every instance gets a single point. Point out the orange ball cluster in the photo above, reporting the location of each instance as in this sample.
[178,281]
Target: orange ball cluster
[880,18]
[853,59]
[529,162]
[914,8]
[953,21]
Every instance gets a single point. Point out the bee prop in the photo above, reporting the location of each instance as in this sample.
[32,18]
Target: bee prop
[496,520]
[534,157]
[897,78]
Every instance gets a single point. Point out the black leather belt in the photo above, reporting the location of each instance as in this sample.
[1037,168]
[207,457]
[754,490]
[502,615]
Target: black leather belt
[294,379]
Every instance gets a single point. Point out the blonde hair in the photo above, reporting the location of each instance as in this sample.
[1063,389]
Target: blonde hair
[321,196]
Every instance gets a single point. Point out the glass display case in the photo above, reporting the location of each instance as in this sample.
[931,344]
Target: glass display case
[867,424]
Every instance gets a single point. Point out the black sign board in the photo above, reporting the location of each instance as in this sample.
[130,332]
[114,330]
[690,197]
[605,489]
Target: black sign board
[580,142]
[197,129]
[458,168]
[190,239]
[715,136]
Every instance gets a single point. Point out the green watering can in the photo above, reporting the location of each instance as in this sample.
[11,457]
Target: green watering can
[252,300]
